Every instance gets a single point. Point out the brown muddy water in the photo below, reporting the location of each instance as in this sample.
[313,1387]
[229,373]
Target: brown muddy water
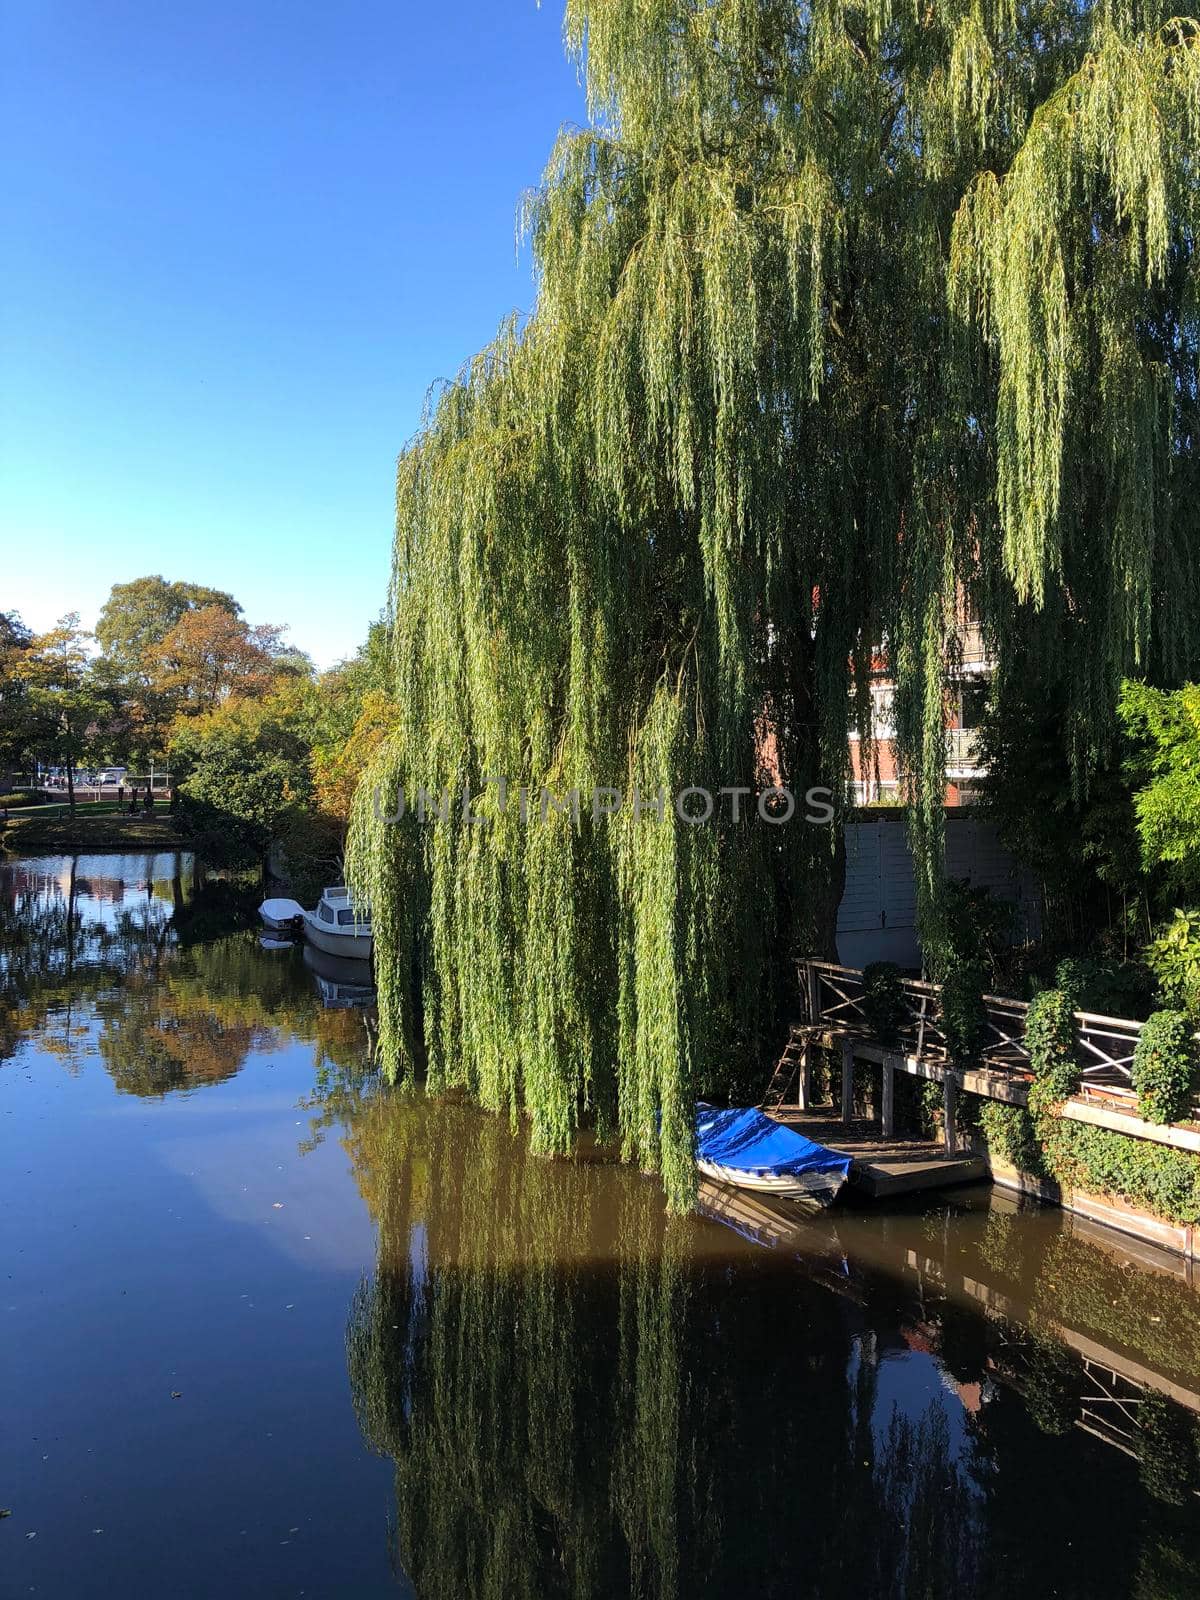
[271,1330]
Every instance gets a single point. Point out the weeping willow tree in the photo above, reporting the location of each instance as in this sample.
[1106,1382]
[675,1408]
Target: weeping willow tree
[851,321]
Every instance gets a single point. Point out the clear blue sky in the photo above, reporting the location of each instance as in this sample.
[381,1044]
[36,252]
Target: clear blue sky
[238,242]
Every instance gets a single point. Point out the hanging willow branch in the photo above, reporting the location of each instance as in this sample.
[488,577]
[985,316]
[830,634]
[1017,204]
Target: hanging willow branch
[850,321]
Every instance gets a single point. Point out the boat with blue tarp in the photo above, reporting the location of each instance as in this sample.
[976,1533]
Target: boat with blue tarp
[746,1148]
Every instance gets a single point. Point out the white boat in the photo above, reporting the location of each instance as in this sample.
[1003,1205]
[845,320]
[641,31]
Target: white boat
[281,914]
[341,983]
[338,926]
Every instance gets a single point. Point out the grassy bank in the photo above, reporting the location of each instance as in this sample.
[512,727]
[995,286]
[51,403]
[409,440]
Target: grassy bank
[100,826]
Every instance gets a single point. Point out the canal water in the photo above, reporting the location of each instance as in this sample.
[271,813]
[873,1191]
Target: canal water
[272,1330]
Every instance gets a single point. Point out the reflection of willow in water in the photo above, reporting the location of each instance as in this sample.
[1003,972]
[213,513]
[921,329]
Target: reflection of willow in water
[495,1356]
[585,1398]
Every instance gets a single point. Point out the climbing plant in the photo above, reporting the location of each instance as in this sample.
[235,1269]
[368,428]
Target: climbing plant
[1152,1177]
[883,999]
[848,321]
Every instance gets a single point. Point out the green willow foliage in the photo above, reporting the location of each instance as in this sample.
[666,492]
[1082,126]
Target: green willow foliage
[849,319]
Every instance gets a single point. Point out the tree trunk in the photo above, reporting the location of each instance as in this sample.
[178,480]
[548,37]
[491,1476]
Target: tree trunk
[828,898]
[817,891]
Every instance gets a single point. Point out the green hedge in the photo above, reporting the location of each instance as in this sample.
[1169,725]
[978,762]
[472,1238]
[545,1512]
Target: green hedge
[1153,1177]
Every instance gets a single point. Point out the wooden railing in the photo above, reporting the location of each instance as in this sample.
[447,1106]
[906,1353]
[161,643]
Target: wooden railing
[1105,1046]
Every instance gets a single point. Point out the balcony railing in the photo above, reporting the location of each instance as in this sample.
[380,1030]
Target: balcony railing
[975,655]
[963,755]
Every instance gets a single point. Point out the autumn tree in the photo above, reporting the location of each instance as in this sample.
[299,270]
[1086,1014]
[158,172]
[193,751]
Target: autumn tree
[138,616]
[134,621]
[243,765]
[15,639]
[64,700]
[208,656]
[355,714]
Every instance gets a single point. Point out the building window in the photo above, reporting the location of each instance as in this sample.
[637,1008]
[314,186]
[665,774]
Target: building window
[973,704]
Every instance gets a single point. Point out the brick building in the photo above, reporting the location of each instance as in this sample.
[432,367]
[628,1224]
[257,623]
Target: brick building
[877,783]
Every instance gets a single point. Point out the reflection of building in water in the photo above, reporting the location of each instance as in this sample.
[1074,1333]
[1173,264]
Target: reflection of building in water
[1115,1324]
[42,881]
[95,890]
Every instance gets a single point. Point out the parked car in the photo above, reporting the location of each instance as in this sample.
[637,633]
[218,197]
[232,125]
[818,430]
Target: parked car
[111,775]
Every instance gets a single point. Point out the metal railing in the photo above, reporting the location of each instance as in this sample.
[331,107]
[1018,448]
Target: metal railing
[160,783]
[962,751]
[974,651]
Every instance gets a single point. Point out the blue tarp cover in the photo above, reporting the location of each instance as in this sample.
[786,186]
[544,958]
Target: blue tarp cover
[749,1141]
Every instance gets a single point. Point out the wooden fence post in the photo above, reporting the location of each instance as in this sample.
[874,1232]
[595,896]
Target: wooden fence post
[950,1083]
[888,1114]
[847,1080]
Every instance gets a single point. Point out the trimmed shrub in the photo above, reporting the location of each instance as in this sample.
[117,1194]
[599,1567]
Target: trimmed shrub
[1164,1067]
[1050,1036]
[883,999]
[1112,988]
[1009,1133]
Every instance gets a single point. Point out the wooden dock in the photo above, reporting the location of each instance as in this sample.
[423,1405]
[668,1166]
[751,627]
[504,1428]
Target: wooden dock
[833,1017]
[886,1167]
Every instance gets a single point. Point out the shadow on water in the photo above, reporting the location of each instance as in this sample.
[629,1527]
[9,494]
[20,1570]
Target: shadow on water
[578,1395]
[583,1397]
